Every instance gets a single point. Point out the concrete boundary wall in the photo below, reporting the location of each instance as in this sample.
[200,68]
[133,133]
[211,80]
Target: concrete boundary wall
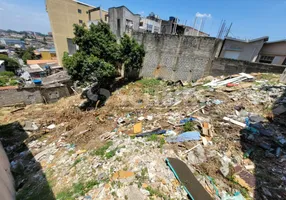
[175,57]
[224,66]
[9,97]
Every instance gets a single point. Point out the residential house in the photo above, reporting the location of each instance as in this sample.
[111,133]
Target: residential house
[122,20]
[12,42]
[48,54]
[39,68]
[238,49]
[273,53]
[151,24]
[172,26]
[4,52]
[63,14]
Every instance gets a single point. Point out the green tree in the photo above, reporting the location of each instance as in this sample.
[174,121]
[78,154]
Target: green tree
[99,54]
[27,54]
[132,54]
[10,64]
[2,47]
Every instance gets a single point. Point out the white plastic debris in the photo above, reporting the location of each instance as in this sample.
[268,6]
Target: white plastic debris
[52,126]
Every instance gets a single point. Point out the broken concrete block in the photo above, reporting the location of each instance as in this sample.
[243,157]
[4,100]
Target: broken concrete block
[30,126]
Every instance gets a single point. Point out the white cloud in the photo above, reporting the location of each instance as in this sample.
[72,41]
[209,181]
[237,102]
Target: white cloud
[200,15]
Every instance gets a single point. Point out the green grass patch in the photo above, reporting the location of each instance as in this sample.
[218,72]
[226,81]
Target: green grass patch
[189,126]
[156,192]
[149,82]
[152,138]
[268,76]
[102,150]
[7,73]
[78,160]
[110,154]
[150,91]
[78,189]
[156,138]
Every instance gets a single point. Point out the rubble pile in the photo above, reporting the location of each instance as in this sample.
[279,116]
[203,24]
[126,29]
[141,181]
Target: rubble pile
[230,132]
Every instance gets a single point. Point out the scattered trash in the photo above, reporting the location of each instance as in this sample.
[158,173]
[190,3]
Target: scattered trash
[120,120]
[170,133]
[16,110]
[149,117]
[137,128]
[236,196]
[278,152]
[205,142]
[186,178]
[52,126]
[217,101]
[183,121]
[279,110]
[30,126]
[248,134]
[249,167]
[158,131]
[141,118]
[235,122]
[177,103]
[218,83]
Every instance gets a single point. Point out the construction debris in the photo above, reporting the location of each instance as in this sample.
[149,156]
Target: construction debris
[230,140]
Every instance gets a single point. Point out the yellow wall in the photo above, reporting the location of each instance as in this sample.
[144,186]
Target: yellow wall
[46,55]
[63,14]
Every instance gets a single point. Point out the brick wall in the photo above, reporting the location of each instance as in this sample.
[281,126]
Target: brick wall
[177,57]
[224,66]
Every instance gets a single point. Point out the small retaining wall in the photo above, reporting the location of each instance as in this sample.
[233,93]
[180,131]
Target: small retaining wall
[9,97]
[224,66]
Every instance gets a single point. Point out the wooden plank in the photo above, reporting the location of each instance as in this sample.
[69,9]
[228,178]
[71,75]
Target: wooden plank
[192,186]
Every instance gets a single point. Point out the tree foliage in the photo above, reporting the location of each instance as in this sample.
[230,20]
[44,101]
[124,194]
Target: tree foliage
[10,63]
[132,54]
[99,54]
[27,54]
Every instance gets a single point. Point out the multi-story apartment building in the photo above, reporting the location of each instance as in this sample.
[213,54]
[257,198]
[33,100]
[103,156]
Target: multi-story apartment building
[63,15]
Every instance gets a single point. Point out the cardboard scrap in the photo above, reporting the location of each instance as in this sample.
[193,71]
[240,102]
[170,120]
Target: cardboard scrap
[137,128]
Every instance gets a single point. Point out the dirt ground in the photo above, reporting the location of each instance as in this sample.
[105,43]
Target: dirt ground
[168,103]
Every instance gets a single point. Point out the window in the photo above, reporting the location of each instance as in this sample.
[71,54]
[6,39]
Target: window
[80,21]
[79,11]
[149,27]
[71,46]
[141,24]
[266,59]
[284,62]
[106,18]
[231,54]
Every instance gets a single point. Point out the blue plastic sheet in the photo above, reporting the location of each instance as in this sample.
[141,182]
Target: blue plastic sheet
[184,137]
[183,121]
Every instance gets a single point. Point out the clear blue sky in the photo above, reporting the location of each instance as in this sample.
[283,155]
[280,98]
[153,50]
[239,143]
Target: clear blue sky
[250,18]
